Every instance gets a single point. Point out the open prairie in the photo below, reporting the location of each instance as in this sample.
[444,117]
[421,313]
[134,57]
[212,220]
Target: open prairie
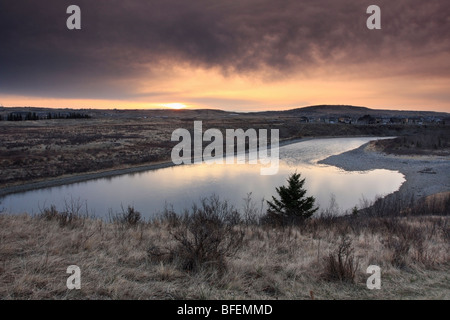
[115,139]
[325,257]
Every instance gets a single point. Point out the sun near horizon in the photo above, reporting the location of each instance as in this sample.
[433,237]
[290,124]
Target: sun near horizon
[176,106]
[188,55]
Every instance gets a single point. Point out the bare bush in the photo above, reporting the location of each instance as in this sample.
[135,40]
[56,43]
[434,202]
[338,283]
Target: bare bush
[72,215]
[204,237]
[341,264]
[251,214]
[400,249]
[129,217]
[49,213]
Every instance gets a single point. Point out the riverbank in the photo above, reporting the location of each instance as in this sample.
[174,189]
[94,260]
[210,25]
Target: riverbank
[76,178]
[425,175]
[36,151]
[108,173]
[123,260]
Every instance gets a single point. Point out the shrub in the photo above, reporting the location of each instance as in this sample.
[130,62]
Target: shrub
[49,214]
[204,237]
[400,249]
[71,216]
[129,217]
[251,213]
[341,264]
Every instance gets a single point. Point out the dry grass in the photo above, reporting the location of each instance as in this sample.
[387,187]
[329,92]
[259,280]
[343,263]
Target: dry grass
[205,237]
[436,142]
[37,150]
[274,263]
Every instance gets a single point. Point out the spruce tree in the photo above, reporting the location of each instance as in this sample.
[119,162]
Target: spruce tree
[293,205]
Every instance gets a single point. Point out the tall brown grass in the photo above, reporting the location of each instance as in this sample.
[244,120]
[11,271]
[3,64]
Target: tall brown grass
[326,255]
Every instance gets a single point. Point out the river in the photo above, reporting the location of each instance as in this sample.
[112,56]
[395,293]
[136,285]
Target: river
[180,186]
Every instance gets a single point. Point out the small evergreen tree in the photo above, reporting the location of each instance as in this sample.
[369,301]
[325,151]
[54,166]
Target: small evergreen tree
[293,205]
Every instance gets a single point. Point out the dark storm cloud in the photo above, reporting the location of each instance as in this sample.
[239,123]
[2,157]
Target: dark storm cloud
[120,39]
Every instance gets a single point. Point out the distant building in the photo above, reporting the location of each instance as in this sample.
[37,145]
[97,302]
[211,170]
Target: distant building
[346,120]
[304,120]
[367,119]
[416,120]
[332,120]
[384,120]
[395,120]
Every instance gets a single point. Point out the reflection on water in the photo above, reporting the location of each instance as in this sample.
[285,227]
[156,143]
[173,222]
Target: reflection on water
[180,186]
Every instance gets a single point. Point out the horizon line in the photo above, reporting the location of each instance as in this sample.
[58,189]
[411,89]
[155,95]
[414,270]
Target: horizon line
[222,110]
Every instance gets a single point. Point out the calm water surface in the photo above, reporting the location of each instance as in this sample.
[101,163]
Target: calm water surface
[180,186]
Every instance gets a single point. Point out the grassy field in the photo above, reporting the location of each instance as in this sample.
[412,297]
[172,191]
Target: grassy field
[38,150]
[323,258]
[213,258]
[433,142]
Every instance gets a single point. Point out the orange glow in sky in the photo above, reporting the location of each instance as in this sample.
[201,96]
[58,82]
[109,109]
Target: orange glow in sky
[239,56]
[202,88]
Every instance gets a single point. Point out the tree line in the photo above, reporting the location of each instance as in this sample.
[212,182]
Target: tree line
[32,116]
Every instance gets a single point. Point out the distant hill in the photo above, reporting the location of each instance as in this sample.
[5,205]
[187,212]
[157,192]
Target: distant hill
[352,111]
[319,111]
[331,109]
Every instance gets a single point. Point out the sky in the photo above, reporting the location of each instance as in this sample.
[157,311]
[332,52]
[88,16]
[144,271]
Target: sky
[237,55]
